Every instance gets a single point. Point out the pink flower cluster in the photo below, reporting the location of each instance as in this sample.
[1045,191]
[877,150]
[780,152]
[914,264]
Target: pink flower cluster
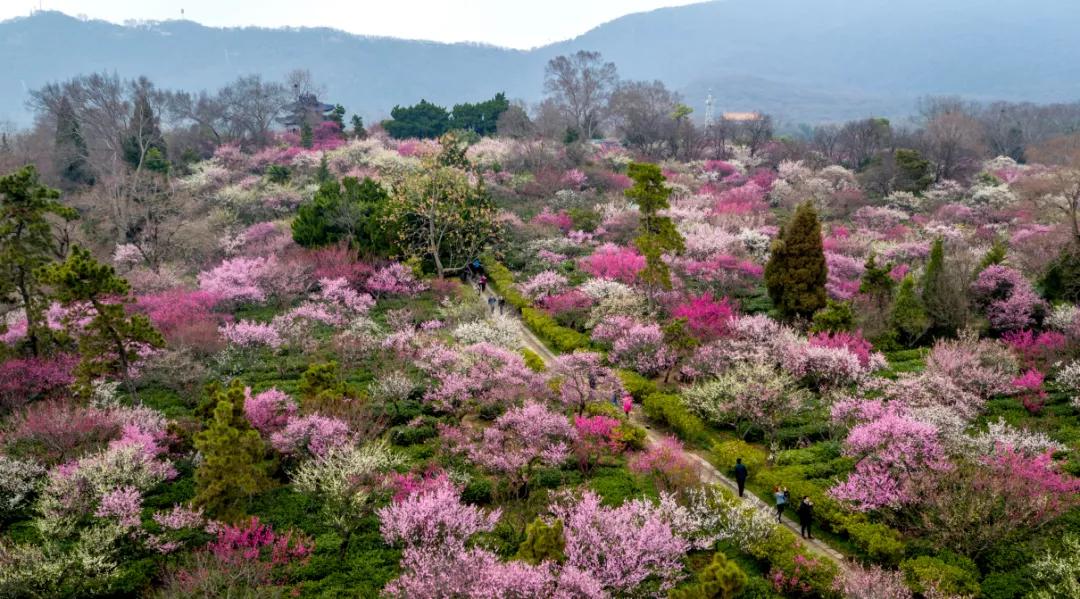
[635,345]
[313,434]
[393,279]
[706,318]
[893,450]
[1008,299]
[560,220]
[614,262]
[238,279]
[268,411]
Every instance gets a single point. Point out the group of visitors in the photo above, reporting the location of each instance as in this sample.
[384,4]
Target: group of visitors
[782,497]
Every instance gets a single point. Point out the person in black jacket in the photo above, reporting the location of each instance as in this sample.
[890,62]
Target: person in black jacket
[806,517]
[740,475]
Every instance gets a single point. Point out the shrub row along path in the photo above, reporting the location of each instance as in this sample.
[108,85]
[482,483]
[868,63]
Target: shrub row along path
[706,471]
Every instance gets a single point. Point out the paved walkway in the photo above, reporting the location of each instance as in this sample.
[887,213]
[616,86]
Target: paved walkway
[706,471]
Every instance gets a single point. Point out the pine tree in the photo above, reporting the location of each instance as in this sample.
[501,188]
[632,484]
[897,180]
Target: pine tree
[27,245]
[721,579]
[337,115]
[71,154]
[307,136]
[935,291]
[322,175]
[656,234]
[877,283]
[543,542]
[909,317]
[995,255]
[358,130]
[796,272]
[233,468]
[111,341]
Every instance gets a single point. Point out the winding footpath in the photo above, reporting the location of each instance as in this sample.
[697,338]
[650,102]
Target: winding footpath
[707,473]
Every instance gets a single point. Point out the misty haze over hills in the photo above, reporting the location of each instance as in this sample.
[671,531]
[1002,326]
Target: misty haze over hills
[802,60]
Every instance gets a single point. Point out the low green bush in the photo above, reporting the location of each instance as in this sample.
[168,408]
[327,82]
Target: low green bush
[669,409]
[949,573]
[631,436]
[636,385]
[879,542]
[561,338]
[780,550]
[726,452]
[533,360]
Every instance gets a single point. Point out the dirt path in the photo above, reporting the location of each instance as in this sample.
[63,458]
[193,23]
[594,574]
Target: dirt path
[706,471]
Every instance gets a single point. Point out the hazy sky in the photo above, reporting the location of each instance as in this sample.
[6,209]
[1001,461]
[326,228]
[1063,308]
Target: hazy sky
[512,23]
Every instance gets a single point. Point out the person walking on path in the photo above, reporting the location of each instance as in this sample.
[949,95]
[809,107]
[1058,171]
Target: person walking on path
[627,405]
[483,284]
[781,499]
[491,303]
[502,304]
[806,517]
[740,475]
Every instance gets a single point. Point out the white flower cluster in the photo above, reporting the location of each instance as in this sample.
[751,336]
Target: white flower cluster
[498,330]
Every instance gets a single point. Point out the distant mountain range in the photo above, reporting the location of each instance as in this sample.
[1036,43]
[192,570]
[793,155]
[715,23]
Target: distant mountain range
[803,60]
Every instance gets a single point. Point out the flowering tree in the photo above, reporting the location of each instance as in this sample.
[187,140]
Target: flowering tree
[238,279]
[610,261]
[595,437]
[873,582]
[313,434]
[982,504]
[439,214]
[582,379]
[666,463]
[630,548]
[1009,301]
[347,482]
[543,284]
[269,411]
[892,450]
[249,558]
[707,319]
[751,394]
[634,345]
[520,439]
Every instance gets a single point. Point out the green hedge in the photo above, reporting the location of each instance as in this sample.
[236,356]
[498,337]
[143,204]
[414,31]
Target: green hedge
[636,385]
[533,360]
[669,409]
[543,326]
[555,335]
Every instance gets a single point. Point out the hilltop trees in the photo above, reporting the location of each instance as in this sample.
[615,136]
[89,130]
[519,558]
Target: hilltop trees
[581,85]
[71,154]
[796,272]
[26,245]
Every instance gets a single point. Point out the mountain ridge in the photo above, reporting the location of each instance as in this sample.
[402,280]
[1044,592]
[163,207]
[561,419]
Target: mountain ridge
[805,61]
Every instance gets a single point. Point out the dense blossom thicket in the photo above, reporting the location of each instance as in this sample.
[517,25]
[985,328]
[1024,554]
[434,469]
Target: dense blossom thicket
[263,365]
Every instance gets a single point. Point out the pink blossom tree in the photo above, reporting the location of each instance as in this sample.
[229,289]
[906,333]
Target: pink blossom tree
[610,261]
[582,378]
[268,411]
[520,439]
[892,451]
[313,434]
[627,549]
